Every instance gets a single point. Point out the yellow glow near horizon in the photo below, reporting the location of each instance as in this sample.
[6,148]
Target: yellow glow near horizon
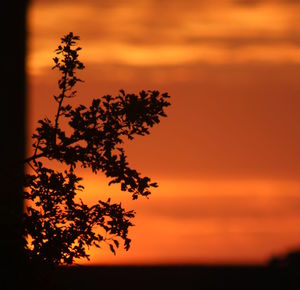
[224,221]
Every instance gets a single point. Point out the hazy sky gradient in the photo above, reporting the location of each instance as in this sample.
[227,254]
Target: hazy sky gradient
[227,157]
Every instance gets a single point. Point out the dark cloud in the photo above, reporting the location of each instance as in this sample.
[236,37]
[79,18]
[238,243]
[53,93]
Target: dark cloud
[248,2]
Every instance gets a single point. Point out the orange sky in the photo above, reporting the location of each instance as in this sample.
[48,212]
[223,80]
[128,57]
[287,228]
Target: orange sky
[227,157]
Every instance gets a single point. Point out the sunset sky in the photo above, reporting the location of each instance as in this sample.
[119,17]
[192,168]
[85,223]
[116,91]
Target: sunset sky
[227,156]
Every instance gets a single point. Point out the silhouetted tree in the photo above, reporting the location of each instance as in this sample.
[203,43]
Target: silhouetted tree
[58,226]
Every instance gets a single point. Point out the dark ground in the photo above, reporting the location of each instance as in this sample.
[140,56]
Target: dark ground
[168,277]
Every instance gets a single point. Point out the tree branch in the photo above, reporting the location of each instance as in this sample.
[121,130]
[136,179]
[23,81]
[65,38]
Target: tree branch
[34,157]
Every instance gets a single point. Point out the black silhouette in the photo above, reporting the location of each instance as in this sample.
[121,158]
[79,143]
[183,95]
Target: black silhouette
[289,260]
[58,227]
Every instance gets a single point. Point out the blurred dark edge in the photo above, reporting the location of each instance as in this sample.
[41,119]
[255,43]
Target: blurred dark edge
[12,120]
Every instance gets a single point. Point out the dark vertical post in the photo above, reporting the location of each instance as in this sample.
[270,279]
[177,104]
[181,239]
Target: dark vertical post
[12,142]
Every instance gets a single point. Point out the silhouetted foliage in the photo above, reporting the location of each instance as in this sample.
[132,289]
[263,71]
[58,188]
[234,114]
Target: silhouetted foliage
[287,260]
[58,226]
